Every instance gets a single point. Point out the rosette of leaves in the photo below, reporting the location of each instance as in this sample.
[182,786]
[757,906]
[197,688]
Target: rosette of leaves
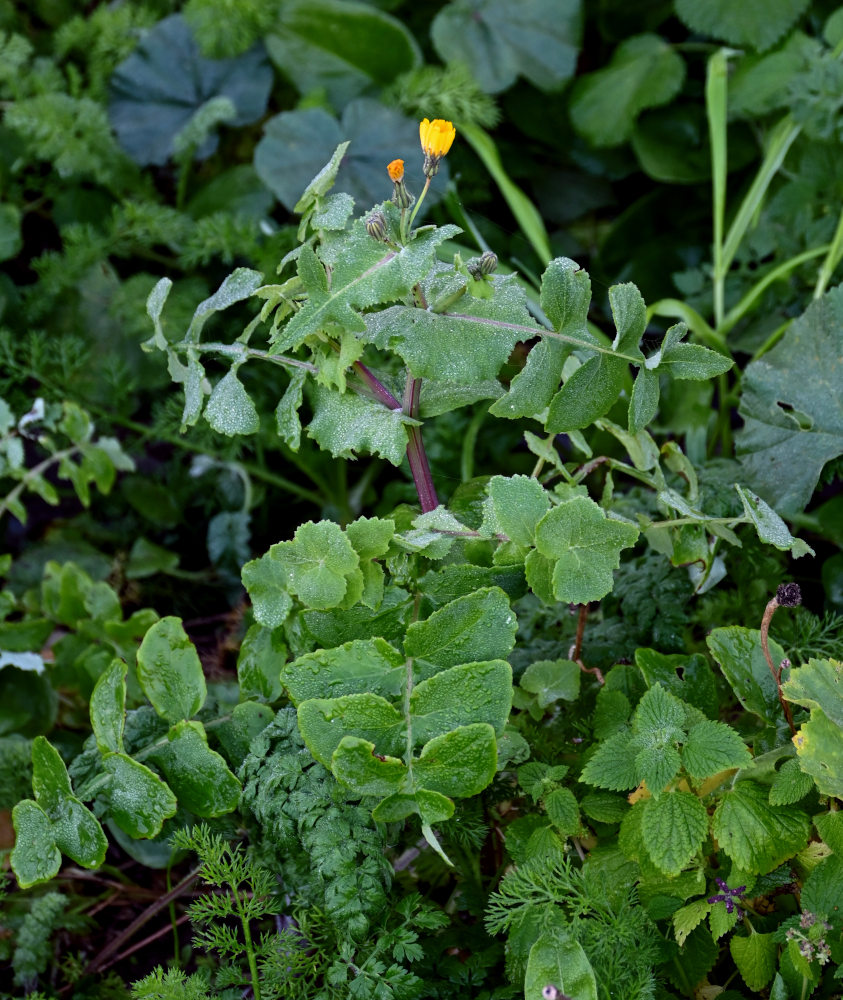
[136,797]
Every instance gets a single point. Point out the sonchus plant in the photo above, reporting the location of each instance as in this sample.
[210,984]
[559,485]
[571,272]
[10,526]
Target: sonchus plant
[393,637]
[400,626]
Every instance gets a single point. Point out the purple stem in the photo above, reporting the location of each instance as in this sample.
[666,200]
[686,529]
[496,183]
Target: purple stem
[416,455]
[376,387]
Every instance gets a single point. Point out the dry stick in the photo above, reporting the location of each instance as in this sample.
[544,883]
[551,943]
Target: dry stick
[575,652]
[140,920]
[142,944]
[788,595]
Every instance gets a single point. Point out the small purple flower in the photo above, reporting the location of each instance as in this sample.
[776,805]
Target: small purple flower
[807,920]
[728,896]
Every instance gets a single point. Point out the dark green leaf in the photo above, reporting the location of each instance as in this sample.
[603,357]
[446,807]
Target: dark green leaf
[170,672]
[198,775]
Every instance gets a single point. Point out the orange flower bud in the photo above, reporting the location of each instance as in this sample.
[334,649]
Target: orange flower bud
[395,170]
[436,137]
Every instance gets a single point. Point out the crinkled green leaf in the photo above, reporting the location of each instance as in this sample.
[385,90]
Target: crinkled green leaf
[480,626]
[790,784]
[818,684]
[755,956]
[348,425]
[265,579]
[613,765]
[688,917]
[712,747]
[674,827]
[770,527]
[644,72]
[758,837]
[563,811]
[819,744]
[365,665]
[519,502]
[169,671]
[587,394]
[586,547]
[468,343]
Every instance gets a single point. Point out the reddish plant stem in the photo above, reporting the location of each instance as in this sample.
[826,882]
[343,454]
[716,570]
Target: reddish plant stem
[378,390]
[769,611]
[575,652]
[416,455]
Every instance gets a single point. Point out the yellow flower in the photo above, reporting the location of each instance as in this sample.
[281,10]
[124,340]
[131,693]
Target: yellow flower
[436,139]
[395,170]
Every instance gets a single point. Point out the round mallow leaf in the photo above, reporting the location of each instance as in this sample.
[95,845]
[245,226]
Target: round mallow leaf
[159,89]
[297,144]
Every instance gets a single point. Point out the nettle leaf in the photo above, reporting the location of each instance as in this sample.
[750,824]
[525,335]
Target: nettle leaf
[166,82]
[565,300]
[137,799]
[790,784]
[613,764]
[341,48]
[674,827]
[169,671]
[467,344]
[758,837]
[756,958]
[230,409]
[198,775]
[357,667]
[296,144]
[644,72]
[770,527]
[697,686]
[741,658]
[584,546]
[792,408]
[348,425]
[473,628]
[712,747]
[556,959]
[755,24]
[500,40]
[686,918]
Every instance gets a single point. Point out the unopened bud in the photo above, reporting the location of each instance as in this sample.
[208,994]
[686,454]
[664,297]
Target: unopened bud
[479,267]
[376,226]
[395,170]
[789,595]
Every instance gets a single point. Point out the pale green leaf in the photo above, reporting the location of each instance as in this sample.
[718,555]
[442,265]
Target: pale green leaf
[558,960]
[755,24]
[552,680]
[790,784]
[480,626]
[317,563]
[108,707]
[612,766]
[687,917]
[265,579]
[758,837]
[348,425]
[287,421]
[353,668]
[562,811]
[259,663]
[587,394]
[459,763]
[819,744]
[644,72]
[462,695]
[741,658]
[586,547]
[138,800]
[755,956]
[818,684]
[324,722]
[35,857]
[694,362]
[519,503]
[770,527]
[230,409]
[169,671]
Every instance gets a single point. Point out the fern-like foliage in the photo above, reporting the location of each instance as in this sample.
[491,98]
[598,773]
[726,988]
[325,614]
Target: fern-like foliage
[614,930]
[448,92]
[229,27]
[172,985]
[328,852]
[33,943]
